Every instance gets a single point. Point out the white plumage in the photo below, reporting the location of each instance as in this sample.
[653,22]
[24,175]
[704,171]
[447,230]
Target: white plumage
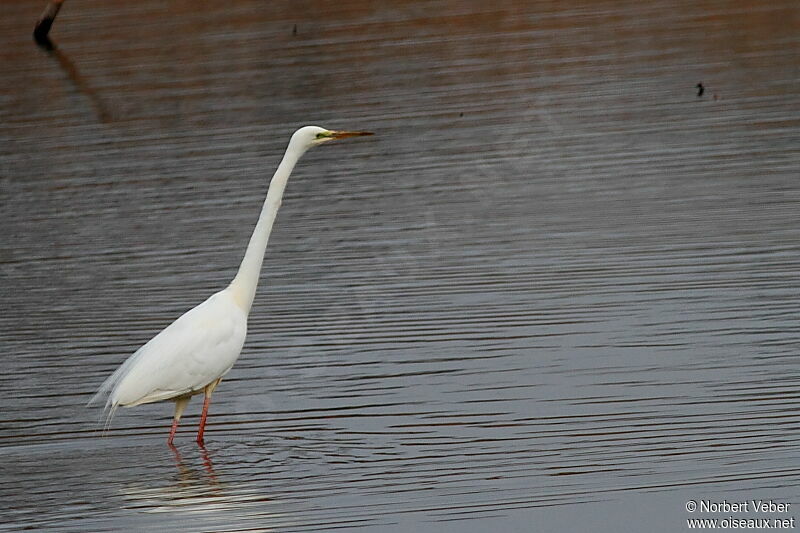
[192,354]
[199,347]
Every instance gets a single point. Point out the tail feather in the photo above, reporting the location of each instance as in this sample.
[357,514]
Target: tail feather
[109,416]
[109,386]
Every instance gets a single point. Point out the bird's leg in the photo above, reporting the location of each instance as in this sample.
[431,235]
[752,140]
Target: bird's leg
[180,405]
[206,401]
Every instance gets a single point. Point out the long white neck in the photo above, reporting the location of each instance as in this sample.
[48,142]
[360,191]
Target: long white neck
[245,283]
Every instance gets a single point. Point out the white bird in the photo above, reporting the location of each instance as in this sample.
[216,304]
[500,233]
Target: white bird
[192,354]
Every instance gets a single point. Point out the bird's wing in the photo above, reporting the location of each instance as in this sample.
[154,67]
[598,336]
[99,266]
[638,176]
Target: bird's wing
[197,348]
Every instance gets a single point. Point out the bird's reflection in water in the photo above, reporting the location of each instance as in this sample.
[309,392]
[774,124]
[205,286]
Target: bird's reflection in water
[187,473]
[194,488]
[193,475]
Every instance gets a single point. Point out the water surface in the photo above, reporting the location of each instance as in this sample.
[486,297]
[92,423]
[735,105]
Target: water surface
[556,292]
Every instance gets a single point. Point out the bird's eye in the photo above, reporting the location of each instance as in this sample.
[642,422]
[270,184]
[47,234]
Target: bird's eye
[320,135]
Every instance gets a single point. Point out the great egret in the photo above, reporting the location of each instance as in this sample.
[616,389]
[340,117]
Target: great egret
[192,354]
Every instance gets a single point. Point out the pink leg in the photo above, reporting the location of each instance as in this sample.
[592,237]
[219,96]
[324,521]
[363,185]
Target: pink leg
[202,427]
[172,431]
[180,405]
[206,401]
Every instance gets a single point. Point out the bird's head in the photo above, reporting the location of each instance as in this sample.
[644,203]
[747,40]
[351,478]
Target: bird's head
[309,136]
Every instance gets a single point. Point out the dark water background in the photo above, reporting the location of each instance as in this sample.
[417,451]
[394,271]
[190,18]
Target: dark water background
[557,291]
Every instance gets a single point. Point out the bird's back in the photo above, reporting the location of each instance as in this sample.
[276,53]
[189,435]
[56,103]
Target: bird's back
[196,349]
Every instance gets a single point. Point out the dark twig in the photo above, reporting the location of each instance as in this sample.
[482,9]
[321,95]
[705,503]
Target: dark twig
[45,22]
